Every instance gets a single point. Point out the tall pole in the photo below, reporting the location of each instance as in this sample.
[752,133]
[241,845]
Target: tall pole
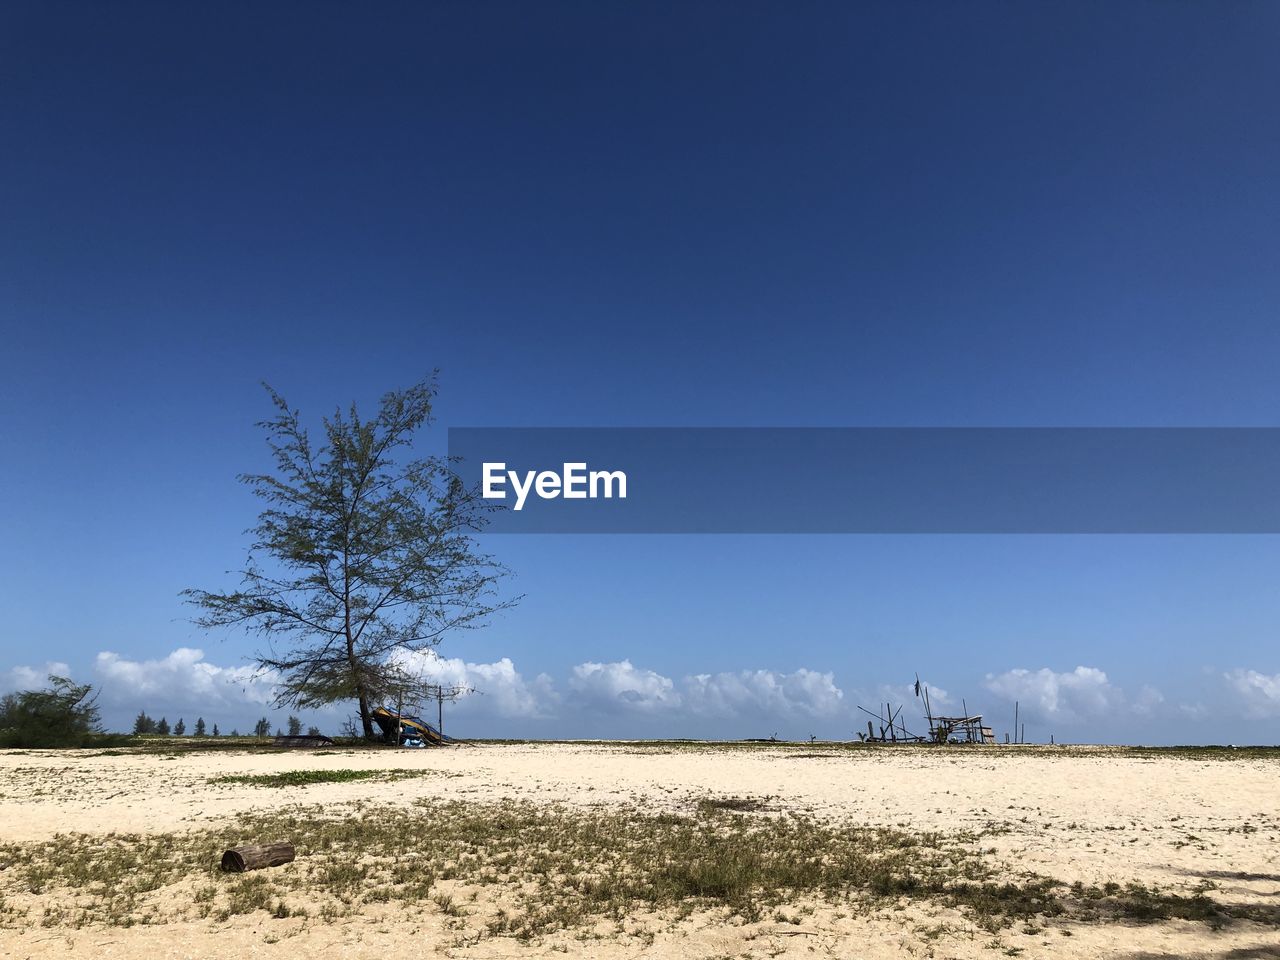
[1016,738]
[400,718]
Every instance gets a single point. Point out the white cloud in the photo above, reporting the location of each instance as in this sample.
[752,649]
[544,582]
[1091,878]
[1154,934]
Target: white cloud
[499,687]
[32,678]
[1260,692]
[804,692]
[1080,694]
[609,686]
[182,679]
[185,680]
[622,687]
[1147,700]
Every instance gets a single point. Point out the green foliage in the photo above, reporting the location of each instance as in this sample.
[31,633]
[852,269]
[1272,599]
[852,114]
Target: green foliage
[162,727]
[199,726]
[302,778]
[143,724]
[359,554]
[63,715]
[180,728]
[295,726]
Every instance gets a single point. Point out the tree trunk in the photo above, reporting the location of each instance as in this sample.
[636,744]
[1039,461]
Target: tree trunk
[366,715]
[240,859]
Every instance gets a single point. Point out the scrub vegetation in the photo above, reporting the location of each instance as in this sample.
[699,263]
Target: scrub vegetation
[61,715]
[302,778]
[524,870]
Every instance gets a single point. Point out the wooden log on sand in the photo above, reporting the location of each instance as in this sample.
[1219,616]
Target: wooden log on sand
[240,859]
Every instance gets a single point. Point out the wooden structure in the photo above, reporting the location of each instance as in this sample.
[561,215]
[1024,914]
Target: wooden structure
[891,728]
[960,730]
[401,728]
[302,741]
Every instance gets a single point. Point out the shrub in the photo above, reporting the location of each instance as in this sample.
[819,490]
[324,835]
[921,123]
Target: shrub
[64,715]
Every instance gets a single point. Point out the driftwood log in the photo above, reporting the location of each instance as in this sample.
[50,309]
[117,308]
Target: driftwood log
[240,859]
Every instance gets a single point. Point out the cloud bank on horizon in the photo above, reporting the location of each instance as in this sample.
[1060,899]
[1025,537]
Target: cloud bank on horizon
[621,699]
[1071,696]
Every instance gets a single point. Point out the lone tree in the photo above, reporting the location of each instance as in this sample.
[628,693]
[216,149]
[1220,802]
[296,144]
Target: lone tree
[359,553]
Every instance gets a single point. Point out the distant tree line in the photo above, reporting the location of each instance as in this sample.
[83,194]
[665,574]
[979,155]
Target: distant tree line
[65,714]
[144,724]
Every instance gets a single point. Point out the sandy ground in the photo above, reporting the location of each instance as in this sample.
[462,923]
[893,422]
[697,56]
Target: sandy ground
[1167,821]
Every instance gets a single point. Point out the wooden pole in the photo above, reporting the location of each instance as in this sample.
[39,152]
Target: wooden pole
[240,859]
[1016,738]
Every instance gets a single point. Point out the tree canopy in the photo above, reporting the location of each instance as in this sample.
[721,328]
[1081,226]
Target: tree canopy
[63,715]
[360,552]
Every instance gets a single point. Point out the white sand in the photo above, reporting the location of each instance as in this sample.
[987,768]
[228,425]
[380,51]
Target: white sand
[1169,822]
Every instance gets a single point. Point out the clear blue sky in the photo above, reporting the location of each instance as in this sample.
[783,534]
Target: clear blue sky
[647,214]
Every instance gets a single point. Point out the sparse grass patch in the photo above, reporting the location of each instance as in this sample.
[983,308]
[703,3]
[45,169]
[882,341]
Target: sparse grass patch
[525,870]
[712,805]
[302,778]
